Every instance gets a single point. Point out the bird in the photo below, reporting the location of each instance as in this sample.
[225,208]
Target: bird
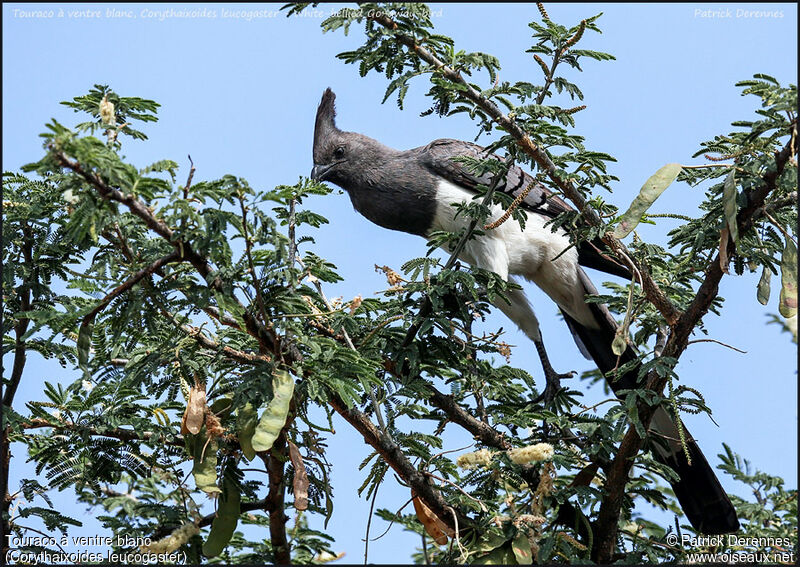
[418,191]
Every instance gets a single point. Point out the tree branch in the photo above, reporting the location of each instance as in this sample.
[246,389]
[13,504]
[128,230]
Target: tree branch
[275,462]
[248,252]
[130,282]
[709,289]
[121,434]
[396,459]
[20,350]
[9,389]
[232,353]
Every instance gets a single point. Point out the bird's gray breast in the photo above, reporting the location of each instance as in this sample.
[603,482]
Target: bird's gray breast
[400,202]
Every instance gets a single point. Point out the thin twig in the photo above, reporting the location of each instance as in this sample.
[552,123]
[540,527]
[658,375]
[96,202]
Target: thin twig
[456,535]
[188,178]
[378,327]
[349,341]
[595,406]
[130,282]
[369,522]
[126,435]
[49,536]
[263,505]
[248,246]
[442,453]
[396,458]
[779,227]
[386,531]
[461,490]
[292,240]
[707,165]
[717,342]
[198,335]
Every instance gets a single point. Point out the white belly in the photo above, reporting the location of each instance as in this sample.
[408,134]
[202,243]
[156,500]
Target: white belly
[530,253]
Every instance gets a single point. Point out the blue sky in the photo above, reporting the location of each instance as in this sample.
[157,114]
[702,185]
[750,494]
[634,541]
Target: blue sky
[239,94]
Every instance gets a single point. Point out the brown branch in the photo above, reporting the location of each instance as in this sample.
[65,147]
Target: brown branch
[223,318]
[709,289]
[275,461]
[120,434]
[198,335]
[654,294]
[717,342]
[20,350]
[164,530]
[5,462]
[618,470]
[480,430]
[232,353]
[396,459]
[9,389]
[130,282]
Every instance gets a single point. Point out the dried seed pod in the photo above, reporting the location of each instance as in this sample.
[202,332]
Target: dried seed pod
[434,527]
[194,415]
[300,485]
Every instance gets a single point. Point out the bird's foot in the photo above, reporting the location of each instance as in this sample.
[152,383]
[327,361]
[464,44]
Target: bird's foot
[553,386]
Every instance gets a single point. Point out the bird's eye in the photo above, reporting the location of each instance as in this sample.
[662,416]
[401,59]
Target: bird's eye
[338,152]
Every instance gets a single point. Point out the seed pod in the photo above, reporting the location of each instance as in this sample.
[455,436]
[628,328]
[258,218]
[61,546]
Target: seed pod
[430,521]
[274,417]
[788,300]
[224,524]
[195,411]
[204,468]
[649,192]
[300,485]
[246,423]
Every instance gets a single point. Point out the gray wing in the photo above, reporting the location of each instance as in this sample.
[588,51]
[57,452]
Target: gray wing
[437,158]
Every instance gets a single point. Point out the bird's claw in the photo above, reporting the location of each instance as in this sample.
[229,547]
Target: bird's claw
[553,386]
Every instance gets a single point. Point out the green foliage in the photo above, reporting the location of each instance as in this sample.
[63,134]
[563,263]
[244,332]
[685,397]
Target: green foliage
[237,302]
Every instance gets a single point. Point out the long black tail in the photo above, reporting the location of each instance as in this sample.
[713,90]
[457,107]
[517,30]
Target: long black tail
[698,490]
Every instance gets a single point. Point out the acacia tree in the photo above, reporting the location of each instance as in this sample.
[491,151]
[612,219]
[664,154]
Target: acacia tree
[200,324]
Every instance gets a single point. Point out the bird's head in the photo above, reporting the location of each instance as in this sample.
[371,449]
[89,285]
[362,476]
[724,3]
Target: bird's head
[340,157]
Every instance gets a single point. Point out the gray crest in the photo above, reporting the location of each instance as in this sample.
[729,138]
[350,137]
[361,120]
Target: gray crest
[325,125]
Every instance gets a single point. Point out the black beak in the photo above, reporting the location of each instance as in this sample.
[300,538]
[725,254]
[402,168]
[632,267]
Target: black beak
[318,171]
